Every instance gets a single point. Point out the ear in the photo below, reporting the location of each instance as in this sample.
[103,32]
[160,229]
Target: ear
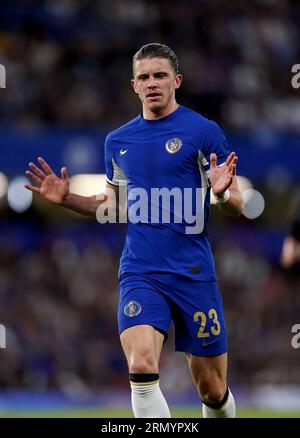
[178,81]
[134,86]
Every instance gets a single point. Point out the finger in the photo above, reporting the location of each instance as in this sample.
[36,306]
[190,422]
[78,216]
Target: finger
[231,169]
[213,160]
[37,170]
[32,188]
[33,177]
[45,166]
[233,164]
[230,158]
[64,173]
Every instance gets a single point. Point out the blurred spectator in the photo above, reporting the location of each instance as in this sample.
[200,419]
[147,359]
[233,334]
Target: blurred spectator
[58,305]
[290,256]
[67,60]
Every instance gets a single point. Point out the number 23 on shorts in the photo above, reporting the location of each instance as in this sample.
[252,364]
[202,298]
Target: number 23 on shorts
[215,328]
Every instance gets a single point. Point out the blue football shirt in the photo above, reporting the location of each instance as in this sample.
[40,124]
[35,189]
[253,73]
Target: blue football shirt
[165,166]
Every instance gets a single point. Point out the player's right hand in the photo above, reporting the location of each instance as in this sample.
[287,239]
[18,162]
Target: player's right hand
[47,183]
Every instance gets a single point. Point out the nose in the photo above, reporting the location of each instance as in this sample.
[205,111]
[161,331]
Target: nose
[152,83]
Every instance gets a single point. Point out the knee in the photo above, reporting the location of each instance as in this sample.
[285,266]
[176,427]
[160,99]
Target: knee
[212,392]
[143,362]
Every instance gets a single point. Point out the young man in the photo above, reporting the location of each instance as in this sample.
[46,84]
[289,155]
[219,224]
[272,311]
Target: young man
[167,270]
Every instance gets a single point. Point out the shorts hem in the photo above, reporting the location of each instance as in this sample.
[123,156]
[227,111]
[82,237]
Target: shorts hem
[160,330]
[201,354]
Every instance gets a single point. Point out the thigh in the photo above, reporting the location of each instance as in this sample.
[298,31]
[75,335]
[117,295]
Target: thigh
[198,319]
[142,341]
[142,304]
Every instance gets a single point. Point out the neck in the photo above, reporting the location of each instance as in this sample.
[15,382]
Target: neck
[154,115]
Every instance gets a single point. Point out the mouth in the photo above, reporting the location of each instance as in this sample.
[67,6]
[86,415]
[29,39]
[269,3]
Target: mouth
[153,95]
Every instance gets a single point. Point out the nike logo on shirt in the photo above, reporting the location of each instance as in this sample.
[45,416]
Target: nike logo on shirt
[122,152]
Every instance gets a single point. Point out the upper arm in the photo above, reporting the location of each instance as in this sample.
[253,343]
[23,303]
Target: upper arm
[116,181]
[117,197]
[114,174]
[111,188]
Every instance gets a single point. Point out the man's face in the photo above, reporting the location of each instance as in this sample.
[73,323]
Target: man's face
[155,82]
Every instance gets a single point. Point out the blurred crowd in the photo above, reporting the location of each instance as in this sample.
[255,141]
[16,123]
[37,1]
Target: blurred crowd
[59,304]
[69,61]
[59,299]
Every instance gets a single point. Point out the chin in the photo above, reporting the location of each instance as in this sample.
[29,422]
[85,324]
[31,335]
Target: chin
[156,108]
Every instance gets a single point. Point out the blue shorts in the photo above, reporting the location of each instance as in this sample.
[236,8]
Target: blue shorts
[194,307]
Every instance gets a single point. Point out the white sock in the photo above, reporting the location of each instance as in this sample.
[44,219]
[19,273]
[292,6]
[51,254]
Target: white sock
[225,411]
[148,401]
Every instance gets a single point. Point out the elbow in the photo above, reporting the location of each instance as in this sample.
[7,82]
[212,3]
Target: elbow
[235,213]
[239,209]
[242,205]
[236,210]
[236,203]
[239,205]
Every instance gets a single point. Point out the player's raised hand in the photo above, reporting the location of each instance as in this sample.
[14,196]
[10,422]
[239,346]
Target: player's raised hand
[221,176]
[47,183]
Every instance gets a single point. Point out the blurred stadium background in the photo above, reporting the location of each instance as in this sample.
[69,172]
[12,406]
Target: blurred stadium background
[68,65]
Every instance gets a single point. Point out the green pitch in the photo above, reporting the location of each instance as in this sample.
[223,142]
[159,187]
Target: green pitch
[121,413]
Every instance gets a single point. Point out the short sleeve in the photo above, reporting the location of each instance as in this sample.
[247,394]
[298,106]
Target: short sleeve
[114,174]
[214,141]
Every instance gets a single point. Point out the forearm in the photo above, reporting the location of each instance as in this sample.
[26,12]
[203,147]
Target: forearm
[235,204]
[86,205]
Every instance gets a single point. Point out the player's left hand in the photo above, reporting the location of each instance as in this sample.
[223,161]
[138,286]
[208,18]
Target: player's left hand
[221,176]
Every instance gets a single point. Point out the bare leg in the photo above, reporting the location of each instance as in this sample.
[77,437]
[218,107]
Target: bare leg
[142,346]
[210,377]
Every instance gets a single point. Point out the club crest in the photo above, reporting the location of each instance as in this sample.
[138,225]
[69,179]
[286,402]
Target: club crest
[132,308]
[173,145]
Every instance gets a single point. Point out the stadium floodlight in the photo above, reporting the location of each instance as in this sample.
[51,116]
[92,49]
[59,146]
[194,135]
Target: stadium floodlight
[19,199]
[88,184]
[254,203]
